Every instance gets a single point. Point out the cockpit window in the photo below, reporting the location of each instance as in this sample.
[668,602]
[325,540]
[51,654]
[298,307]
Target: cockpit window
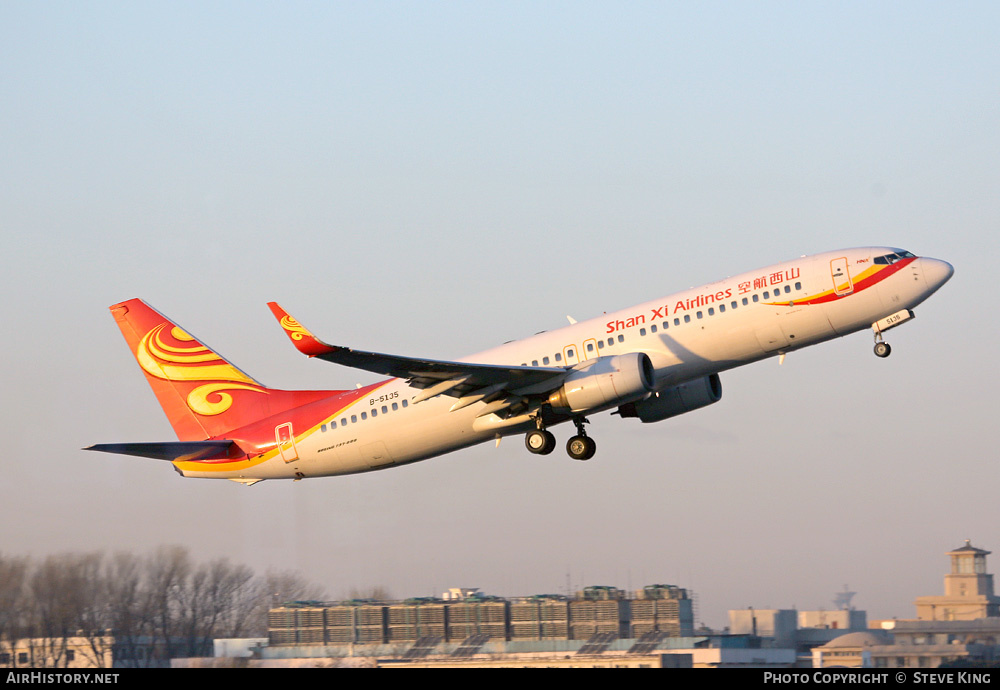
[894,257]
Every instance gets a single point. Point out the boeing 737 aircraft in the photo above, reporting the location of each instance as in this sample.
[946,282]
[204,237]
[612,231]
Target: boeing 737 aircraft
[652,361]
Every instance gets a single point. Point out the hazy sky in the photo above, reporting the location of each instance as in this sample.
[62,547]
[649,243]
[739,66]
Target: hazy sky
[433,179]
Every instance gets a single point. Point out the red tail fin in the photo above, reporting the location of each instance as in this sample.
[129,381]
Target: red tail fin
[203,395]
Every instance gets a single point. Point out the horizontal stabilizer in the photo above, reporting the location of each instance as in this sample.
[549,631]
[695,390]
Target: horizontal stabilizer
[173,450]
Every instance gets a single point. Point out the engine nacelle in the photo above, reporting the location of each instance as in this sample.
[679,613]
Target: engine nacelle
[605,382]
[675,400]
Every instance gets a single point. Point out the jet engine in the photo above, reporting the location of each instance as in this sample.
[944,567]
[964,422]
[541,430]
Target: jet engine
[675,400]
[605,381]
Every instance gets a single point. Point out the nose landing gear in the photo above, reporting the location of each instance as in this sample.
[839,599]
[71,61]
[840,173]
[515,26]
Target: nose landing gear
[882,349]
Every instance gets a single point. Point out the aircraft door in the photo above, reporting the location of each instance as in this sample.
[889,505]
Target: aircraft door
[285,439]
[841,274]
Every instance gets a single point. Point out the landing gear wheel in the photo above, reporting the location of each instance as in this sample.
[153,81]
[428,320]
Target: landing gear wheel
[581,448]
[882,349]
[540,441]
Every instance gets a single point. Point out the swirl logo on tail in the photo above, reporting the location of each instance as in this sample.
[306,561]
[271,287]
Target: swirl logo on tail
[185,360]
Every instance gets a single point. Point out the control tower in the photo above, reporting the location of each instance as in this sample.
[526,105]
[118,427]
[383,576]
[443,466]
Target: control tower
[968,590]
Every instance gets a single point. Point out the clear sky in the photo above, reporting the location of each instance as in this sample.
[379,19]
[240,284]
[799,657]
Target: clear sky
[433,179]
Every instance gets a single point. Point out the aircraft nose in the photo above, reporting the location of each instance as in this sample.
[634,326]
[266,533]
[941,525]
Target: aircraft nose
[936,272]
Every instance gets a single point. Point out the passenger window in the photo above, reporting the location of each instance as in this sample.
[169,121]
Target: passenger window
[558,356]
[677,322]
[745,301]
[711,311]
[611,341]
[569,353]
[590,347]
[788,288]
[652,329]
[364,415]
[722,308]
[642,331]
[354,418]
[756,298]
[699,314]
[666,325]
[767,295]
[545,361]
[621,338]
[374,412]
[534,362]
[687,318]
[405,403]
[798,286]
[385,409]
[395,406]
[323,428]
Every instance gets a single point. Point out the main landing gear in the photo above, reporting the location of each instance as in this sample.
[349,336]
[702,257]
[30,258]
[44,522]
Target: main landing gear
[540,441]
[580,447]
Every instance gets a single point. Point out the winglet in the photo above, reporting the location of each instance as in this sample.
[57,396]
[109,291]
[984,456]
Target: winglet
[303,340]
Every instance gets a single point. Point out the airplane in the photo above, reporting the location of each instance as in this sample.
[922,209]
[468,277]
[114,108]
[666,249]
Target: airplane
[650,362]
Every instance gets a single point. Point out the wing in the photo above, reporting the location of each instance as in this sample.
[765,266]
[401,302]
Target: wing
[500,386]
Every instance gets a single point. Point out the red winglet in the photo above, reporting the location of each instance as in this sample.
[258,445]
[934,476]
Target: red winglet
[303,340]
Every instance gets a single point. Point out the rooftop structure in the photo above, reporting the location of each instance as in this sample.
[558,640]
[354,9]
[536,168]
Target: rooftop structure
[968,589]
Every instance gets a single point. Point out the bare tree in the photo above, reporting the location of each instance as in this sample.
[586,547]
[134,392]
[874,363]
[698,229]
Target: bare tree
[128,616]
[274,589]
[133,610]
[205,601]
[167,572]
[64,604]
[13,572]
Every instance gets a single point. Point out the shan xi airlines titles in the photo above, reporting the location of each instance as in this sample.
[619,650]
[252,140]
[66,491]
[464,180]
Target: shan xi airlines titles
[650,362]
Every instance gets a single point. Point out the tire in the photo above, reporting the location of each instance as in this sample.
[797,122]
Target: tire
[540,442]
[581,447]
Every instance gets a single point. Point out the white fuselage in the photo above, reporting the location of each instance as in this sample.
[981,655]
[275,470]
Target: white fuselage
[686,336]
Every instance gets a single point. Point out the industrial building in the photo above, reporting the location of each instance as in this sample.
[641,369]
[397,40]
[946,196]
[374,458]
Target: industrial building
[596,612]
[597,627]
